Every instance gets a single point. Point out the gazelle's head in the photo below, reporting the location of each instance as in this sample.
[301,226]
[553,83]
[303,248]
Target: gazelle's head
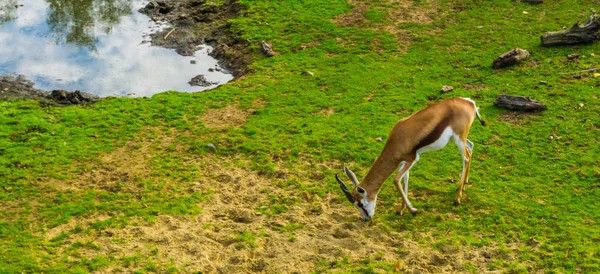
[359,196]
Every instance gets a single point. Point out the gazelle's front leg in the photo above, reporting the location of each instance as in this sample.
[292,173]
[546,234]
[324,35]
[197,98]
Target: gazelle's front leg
[403,174]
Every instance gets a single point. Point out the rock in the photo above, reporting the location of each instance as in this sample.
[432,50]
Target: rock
[306,72]
[573,57]
[379,139]
[71,98]
[446,89]
[543,82]
[193,62]
[212,147]
[510,58]
[157,6]
[211,69]
[267,49]
[200,80]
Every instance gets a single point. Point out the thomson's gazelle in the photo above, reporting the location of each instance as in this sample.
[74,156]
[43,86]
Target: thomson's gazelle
[427,130]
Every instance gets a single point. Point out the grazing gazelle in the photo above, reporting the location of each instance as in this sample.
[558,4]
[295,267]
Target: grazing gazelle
[429,129]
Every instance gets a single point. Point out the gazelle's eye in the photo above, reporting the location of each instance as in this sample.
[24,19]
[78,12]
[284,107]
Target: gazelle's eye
[360,190]
[359,204]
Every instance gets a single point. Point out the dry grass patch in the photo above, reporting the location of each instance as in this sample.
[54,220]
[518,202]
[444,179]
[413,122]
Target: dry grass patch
[238,233]
[398,12]
[229,116]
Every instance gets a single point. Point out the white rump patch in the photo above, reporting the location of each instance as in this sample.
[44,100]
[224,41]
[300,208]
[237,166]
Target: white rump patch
[440,143]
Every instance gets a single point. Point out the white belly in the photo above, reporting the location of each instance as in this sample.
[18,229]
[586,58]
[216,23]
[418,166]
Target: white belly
[439,143]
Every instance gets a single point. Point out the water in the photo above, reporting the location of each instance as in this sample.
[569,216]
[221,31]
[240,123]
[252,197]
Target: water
[97,46]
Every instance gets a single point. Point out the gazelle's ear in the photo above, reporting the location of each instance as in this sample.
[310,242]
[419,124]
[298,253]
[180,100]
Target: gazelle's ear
[351,176]
[361,191]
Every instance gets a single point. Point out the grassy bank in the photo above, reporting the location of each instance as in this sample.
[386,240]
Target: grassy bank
[71,175]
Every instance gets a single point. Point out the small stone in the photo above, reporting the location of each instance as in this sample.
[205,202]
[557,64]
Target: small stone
[193,62]
[211,69]
[212,147]
[446,89]
[308,73]
[572,57]
[577,76]
[267,49]
[379,139]
[543,82]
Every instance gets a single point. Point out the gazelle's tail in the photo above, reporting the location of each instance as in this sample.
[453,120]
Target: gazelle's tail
[481,120]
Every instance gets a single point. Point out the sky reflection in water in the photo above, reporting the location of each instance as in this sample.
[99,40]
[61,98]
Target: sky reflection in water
[105,56]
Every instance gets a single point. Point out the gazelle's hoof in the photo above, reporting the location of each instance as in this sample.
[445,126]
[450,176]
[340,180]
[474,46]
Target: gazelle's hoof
[400,209]
[456,202]
[413,211]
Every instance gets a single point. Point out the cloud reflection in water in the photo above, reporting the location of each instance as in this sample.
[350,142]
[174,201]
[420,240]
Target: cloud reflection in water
[118,63]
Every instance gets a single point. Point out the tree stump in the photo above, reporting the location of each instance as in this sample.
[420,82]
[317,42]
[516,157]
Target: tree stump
[577,34]
[510,58]
[518,103]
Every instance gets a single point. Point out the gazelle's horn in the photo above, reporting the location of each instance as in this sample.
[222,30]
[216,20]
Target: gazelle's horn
[345,189]
[351,175]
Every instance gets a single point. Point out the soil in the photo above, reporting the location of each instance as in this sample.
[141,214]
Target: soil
[196,22]
[316,234]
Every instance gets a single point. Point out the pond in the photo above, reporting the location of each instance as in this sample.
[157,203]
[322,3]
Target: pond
[97,46]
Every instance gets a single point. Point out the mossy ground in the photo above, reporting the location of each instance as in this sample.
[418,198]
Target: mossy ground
[72,177]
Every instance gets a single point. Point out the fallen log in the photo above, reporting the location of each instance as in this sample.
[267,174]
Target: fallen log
[577,34]
[518,103]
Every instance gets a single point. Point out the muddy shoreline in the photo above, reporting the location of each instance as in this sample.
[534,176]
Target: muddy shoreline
[192,23]
[196,22]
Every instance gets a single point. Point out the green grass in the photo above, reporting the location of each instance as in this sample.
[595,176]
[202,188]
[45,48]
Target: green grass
[524,186]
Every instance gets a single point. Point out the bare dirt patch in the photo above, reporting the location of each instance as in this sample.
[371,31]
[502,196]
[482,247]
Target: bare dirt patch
[121,169]
[251,223]
[229,116]
[398,12]
[517,117]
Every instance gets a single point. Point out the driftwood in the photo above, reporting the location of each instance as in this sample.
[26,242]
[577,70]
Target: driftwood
[267,49]
[510,58]
[518,103]
[577,34]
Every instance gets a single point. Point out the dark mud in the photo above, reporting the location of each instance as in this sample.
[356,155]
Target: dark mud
[18,87]
[196,22]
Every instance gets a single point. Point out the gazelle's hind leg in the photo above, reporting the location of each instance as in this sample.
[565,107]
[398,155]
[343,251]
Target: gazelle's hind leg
[465,147]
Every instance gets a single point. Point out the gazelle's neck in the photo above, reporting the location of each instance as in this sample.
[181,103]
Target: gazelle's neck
[384,165]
